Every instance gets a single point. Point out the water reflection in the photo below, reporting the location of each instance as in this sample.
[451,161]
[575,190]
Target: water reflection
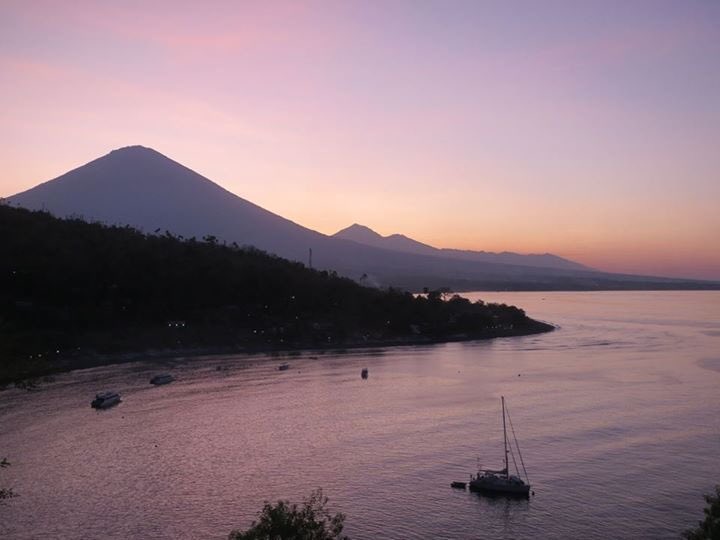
[605,407]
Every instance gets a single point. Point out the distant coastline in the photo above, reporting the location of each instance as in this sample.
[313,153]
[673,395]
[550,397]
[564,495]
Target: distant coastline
[87,360]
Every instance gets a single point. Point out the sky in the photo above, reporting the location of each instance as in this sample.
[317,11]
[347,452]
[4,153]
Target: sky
[586,129]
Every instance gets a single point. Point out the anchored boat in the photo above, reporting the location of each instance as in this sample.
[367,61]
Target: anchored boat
[502,482]
[164,378]
[105,400]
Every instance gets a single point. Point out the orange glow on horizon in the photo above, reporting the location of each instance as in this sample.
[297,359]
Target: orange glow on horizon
[596,142]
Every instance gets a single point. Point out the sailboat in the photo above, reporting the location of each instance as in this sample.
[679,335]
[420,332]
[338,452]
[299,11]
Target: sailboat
[502,482]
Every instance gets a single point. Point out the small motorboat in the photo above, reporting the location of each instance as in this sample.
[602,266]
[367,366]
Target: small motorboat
[283,367]
[364,373]
[458,485]
[164,378]
[105,400]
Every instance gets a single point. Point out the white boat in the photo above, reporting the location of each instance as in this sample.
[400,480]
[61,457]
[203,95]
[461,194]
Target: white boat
[105,400]
[163,378]
[502,482]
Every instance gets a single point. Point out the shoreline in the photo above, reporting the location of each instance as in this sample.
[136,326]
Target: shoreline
[30,380]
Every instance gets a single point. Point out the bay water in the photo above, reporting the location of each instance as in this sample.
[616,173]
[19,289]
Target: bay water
[617,413]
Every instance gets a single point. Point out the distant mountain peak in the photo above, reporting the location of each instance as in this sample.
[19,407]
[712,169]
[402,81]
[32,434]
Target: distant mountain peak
[133,148]
[399,242]
[398,237]
[138,151]
[359,227]
[358,233]
[396,242]
[129,171]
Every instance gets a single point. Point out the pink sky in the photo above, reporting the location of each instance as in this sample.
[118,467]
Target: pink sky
[587,130]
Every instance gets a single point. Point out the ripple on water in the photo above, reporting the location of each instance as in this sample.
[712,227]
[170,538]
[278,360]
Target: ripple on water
[616,417]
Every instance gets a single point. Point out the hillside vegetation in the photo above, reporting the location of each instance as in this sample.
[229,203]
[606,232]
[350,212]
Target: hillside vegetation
[72,291]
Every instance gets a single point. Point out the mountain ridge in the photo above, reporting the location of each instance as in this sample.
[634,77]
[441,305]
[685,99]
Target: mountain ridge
[142,188]
[364,234]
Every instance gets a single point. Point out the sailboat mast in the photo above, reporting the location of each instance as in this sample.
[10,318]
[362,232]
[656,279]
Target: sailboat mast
[507,470]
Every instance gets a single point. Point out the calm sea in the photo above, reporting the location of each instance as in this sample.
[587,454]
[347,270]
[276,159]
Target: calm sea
[617,414]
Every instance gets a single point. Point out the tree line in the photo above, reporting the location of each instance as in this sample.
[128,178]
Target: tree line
[69,288]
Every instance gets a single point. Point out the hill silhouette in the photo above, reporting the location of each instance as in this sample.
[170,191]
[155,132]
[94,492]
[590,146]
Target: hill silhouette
[71,290]
[140,187]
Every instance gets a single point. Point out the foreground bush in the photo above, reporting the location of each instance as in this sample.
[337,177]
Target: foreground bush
[285,521]
[709,528]
[5,493]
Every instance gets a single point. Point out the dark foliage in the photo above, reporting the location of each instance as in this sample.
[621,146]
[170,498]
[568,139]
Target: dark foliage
[6,493]
[71,289]
[285,521]
[709,528]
